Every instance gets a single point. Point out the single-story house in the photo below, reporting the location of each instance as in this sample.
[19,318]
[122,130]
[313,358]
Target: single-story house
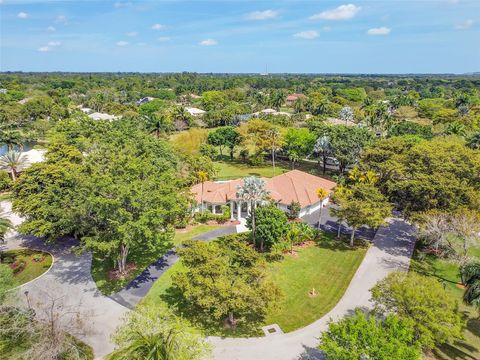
[195,111]
[271,112]
[102,116]
[293,186]
[292,98]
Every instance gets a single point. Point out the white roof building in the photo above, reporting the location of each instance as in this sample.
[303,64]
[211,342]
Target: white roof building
[195,111]
[102,116]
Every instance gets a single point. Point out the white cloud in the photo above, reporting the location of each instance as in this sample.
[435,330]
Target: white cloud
[122,43]
[51,29]
[308,34]
[262,15]
[44,49]
[164,38]
[343,12]
[61,19]
[326,28]
[54,43]
[467,24]
[158,26]
[22,15]
[379,31]
[208,42]
[132,33]
[119,4]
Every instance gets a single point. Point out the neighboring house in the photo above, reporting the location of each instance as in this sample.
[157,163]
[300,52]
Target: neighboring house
[145,100]
[294,185]
[271,112]
[102,116]
[292,98]
[195,111]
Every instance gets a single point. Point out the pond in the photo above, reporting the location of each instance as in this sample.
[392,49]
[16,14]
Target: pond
[26,146]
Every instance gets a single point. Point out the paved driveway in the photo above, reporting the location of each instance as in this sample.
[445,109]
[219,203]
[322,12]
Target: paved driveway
[391,251]
[330,223]
[69,282]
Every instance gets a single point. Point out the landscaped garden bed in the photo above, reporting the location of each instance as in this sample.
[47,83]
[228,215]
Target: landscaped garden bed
[27,264]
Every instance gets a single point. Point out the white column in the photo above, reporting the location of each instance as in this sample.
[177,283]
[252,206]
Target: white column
[239,210]
[249,208]
[213,208]
[231,210]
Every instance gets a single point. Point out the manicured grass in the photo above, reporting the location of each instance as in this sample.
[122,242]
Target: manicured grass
[447,272]
[327,266]
[101,266]
[32,268]
[182,235]
[228,170]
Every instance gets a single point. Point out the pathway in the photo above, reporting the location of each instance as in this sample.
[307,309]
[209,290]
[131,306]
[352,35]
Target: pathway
[136,290]
[391,251]
[69,281]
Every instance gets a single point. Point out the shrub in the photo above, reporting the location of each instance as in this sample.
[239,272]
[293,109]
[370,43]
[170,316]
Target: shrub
[293,210]
[5,181]
[219,218]
[244,154]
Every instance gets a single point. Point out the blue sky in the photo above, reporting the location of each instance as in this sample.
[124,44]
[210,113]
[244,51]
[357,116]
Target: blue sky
[402,36]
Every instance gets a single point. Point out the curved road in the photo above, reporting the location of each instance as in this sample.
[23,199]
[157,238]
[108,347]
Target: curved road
[70,283]
[391,251]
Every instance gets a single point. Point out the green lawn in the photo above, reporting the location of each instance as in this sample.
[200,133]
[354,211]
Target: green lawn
[182,235]
[34,263]
[141,258]
[328,267]
[228,170]
[447,272]
[5,196]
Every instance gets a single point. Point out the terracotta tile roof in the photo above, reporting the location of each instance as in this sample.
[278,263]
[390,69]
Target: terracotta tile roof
[294,185]
[293,97]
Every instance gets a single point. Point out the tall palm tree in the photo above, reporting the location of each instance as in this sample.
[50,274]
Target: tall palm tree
[322,194]
[470,274]
[252,191]
[157,123]
[12,161]
[274,138]
[202,177]
[179,113]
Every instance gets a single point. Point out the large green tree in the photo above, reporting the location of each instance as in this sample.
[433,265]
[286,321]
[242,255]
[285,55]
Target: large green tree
[347,144]
[420,175]
[361,204]
[225,279]
[363,336]
[271,225]
[424,301]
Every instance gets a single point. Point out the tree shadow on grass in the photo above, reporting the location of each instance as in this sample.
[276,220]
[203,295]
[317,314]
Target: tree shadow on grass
[205,322]
[330,242]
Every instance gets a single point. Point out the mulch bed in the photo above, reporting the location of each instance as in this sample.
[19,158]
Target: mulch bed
[116,275]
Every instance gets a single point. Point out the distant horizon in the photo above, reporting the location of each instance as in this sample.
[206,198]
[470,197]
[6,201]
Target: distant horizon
[217,36]
[470,73]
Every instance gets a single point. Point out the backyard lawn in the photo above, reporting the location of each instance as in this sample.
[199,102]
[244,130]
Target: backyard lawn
[228,170]
[27,264]
[328,267]
[447,272]
[141,258]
